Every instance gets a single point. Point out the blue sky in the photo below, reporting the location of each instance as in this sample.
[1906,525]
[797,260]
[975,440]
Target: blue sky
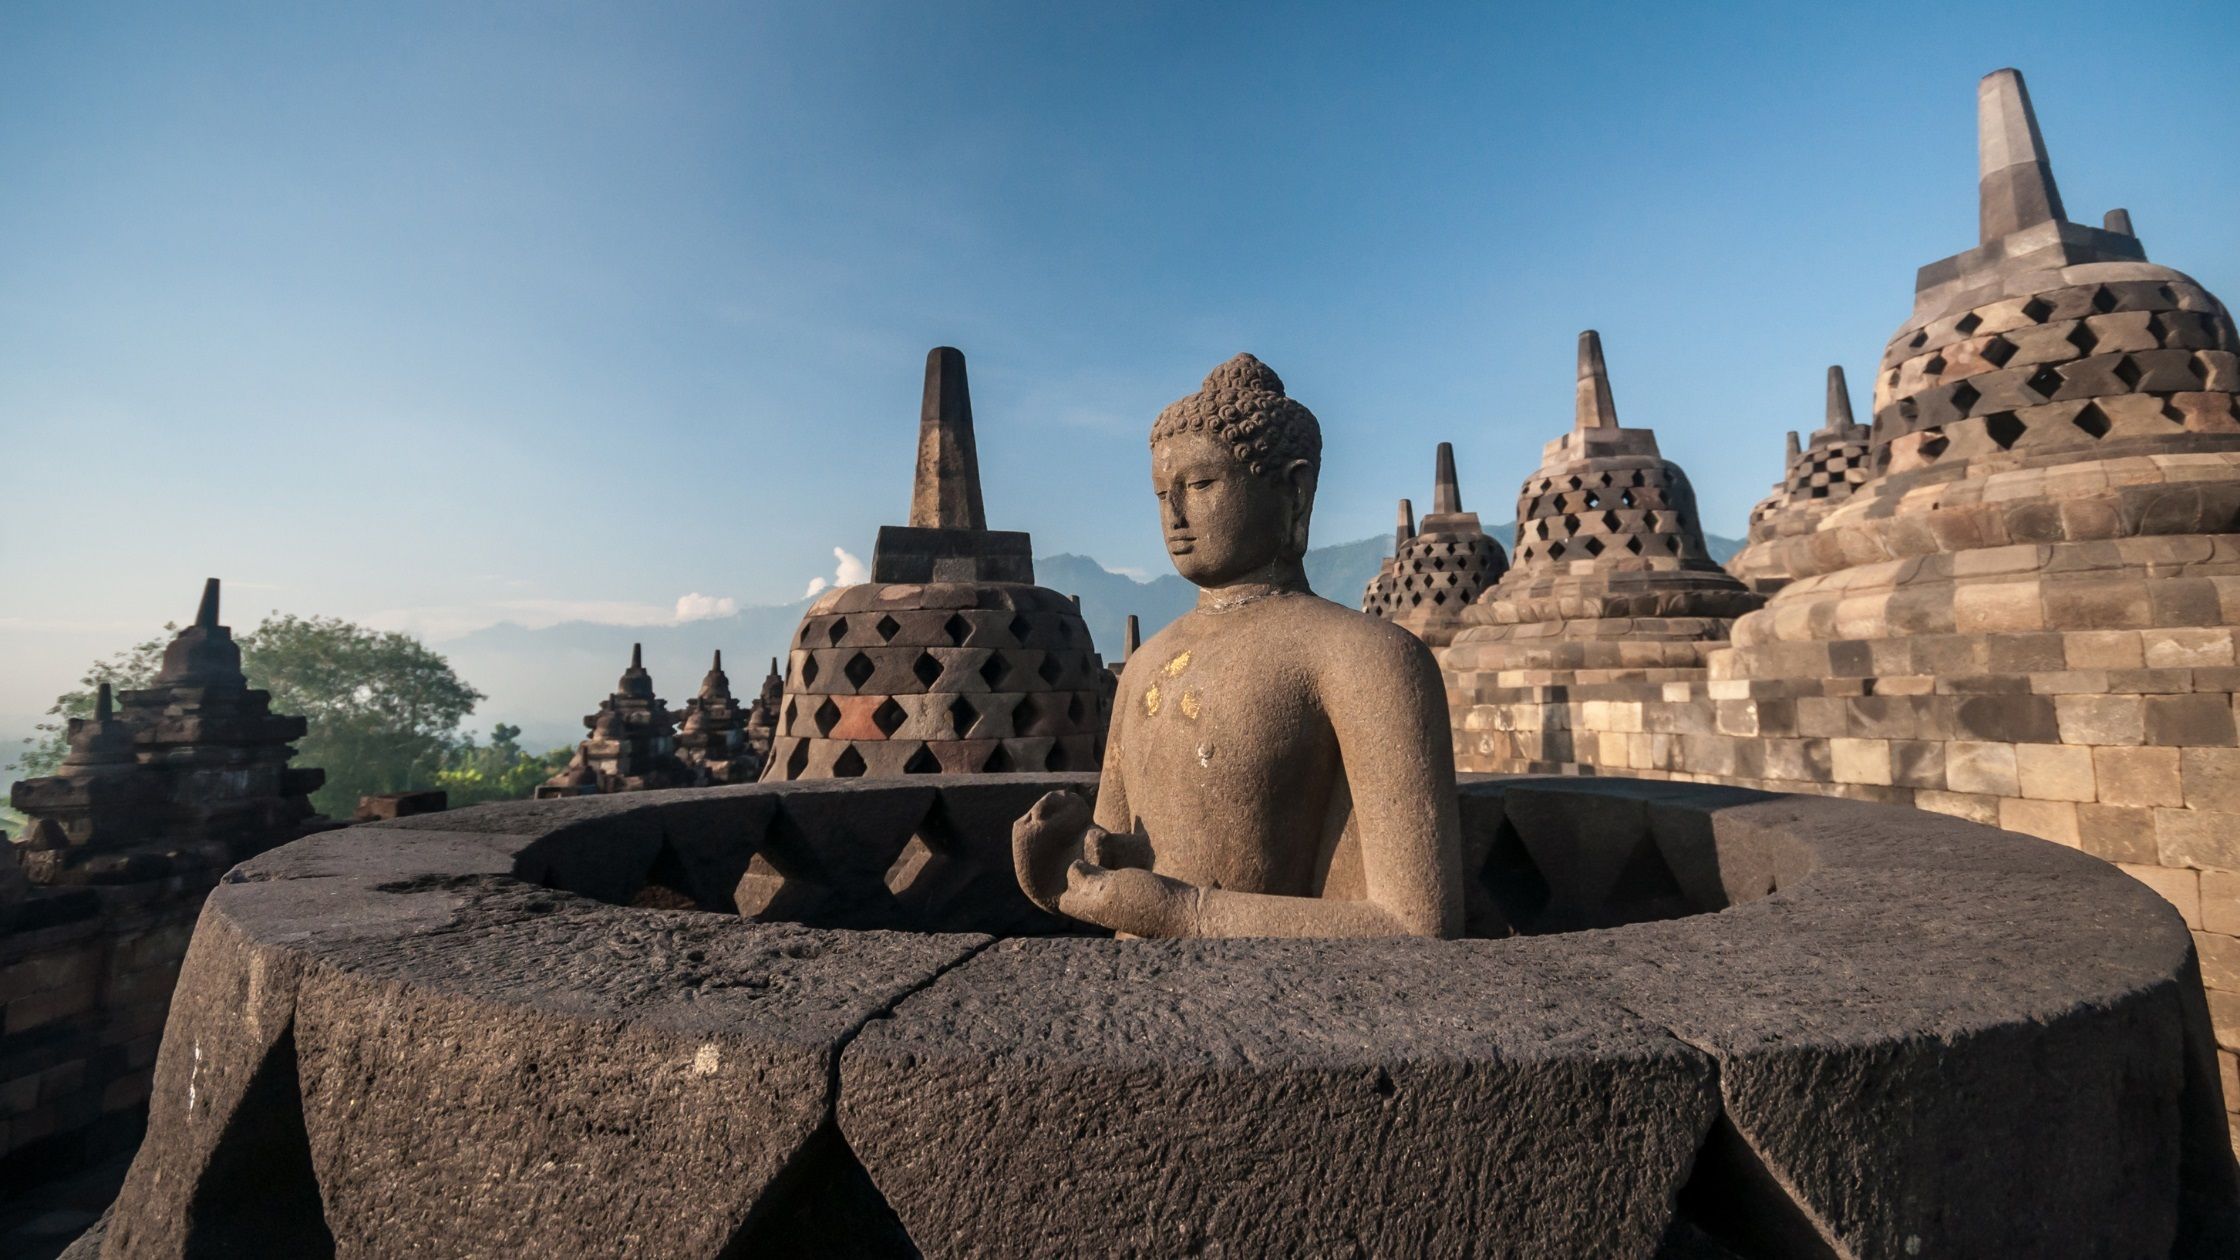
[435,315]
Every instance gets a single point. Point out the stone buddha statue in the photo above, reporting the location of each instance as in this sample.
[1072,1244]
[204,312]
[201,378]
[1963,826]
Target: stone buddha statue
[1277,765]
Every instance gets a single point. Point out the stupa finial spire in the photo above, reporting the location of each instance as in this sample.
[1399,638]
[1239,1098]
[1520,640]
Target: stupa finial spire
[1796,447]
[947,492]
[104,704]
[207,614]
[1446,492]
[637,656]
[1132,639]
[1405,527]
[2014,178]
[1839,401]
[1595,408]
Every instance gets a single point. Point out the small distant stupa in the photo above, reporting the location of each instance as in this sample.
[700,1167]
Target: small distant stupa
[1816,476]
[1440,567]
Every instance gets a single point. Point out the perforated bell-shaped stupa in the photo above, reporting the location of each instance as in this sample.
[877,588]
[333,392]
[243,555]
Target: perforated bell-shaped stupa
[1610,570]
[950,660]
[1443,564]
[1376,596]
[1816,476]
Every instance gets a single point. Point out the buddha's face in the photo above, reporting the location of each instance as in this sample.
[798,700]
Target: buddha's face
[1223,524]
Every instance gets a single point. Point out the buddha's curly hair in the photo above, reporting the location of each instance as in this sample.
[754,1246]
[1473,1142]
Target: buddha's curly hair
[1243,404]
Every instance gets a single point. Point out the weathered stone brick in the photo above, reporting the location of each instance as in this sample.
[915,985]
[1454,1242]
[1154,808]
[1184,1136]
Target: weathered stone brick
[2101,719]
[2011,719]
[2138,776]
[2220,902]
[2192,837]
[2224,1018]
[1979,607]
[1987,769]
[2212,778]
[2187,647]
[2047,820]
[2117,833]
[1917,763]
[2102,649]
[1982,809]
[2220,961]
[2181,888]
[1861,760]
[2203,721]
[2054,772]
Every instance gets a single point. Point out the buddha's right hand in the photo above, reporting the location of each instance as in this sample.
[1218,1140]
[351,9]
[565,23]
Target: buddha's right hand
[1047,840]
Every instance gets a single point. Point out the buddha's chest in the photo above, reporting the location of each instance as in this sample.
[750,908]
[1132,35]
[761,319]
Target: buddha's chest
[1222,731]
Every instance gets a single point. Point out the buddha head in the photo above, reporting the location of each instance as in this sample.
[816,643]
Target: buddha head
[1234,467]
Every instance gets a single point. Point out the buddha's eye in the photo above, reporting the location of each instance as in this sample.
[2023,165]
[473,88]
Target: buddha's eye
[1200,485]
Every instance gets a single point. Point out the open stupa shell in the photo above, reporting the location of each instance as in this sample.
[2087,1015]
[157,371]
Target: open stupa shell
[861,1040]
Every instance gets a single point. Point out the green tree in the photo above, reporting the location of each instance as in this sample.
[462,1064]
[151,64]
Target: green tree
[383,710]
[498,771]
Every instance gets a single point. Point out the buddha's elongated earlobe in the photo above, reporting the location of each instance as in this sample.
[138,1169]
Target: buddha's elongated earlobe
[1301,477]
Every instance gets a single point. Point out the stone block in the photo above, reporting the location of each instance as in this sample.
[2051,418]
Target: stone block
[2203,721]
[1861,760]
[1986,769]
[1979,809]
[2047,820]
[2100,720]
[2117,833]
[2002,607]
[2144,776]
[1917,763]
[2008,719]
[1063,1062]
[1821,717]
[2187,647]
[2054,772]
[2103,649]
[2179,887]
[2224,1018]
[2220,965]
[2211,778]
[2192,837]
[2220,902]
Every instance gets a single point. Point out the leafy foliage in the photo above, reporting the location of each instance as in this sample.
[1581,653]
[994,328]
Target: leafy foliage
[498,771]
[383,713]
[382,708]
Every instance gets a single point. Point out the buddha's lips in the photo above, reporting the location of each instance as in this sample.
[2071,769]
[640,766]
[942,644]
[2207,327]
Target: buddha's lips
[1180,546]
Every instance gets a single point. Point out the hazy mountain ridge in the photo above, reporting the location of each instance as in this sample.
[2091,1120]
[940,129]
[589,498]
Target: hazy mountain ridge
[545,679]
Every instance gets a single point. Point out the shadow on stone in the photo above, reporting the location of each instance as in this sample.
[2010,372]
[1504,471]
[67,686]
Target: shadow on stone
[260,1195]
[1732,1205]
[824,1206]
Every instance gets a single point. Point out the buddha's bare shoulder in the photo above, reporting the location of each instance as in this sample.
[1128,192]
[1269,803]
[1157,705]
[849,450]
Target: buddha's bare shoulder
[1339,636]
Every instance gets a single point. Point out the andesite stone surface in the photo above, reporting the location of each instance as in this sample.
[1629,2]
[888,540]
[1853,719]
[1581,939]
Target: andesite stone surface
[1809,1026]
[1438,567]
[632,746]
[949,660]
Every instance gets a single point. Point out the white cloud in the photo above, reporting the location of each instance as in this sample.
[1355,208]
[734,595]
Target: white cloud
[698,607]
[851,571]
[437,622]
